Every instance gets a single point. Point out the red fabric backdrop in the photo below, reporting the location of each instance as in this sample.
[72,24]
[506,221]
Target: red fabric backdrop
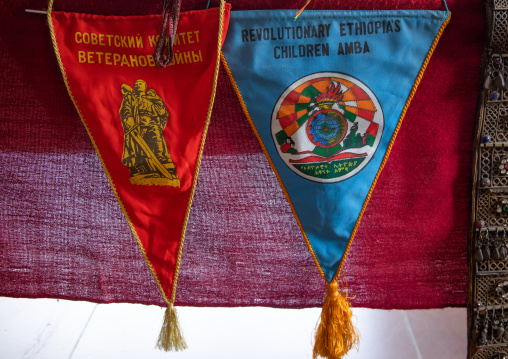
[63,235]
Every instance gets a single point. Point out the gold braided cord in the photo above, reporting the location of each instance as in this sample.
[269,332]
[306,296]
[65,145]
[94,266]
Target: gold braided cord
[244,108]
[385,159]
[136,236]
[203,137]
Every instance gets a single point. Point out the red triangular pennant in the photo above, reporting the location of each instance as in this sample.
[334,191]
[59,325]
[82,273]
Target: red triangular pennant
[148,125]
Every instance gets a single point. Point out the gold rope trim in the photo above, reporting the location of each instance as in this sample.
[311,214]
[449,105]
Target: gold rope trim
[203,137]
[60,64]
[244,108]
[385,159]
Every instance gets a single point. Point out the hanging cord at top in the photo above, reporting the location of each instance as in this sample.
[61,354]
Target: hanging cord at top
[301,10]
[170,15]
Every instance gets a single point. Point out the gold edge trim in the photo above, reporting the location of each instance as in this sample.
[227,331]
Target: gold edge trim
[387,154]
[203,138]
[62,69]
[244,108]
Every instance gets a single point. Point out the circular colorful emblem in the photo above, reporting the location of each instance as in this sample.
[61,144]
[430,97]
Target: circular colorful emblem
[327,126]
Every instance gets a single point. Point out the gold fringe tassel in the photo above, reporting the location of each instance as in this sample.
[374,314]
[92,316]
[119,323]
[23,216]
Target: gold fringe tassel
[335,334]
[170,337]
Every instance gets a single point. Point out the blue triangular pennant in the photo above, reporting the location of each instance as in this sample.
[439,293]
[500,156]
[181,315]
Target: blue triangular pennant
[326,95]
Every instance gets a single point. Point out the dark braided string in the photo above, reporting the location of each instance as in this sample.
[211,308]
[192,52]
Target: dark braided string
[170,15]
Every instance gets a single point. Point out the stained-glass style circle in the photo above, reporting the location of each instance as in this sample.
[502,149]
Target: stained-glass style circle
[327,126]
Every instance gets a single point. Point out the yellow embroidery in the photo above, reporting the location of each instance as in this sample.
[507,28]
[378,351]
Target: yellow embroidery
[145,152]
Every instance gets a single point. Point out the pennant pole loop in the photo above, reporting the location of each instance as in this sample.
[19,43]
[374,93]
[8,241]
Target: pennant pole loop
[170,15]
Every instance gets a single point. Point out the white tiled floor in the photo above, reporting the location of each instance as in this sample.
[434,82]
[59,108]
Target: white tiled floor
[47,328]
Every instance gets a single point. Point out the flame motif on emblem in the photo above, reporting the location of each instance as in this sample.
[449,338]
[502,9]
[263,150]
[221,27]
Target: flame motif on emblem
[333,94]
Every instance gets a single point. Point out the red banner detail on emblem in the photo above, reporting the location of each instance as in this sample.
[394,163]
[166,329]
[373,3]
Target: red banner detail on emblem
[366,114]
[147,123]
[291,98]
[359,93]
[288,120]
[319,79]
[372,129]
[328,159]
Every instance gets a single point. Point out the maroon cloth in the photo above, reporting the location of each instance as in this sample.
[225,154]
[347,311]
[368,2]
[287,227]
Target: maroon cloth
[63,235]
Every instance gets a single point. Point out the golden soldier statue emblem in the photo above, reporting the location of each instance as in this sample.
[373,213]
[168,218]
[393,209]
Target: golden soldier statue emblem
[145,152]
